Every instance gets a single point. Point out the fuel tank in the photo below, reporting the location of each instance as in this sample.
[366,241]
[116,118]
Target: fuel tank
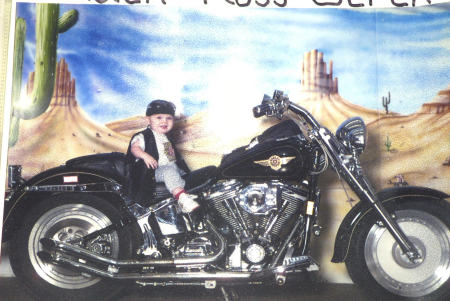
[281,152]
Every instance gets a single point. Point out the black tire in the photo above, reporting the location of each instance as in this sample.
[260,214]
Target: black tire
[375,261]
[60,217]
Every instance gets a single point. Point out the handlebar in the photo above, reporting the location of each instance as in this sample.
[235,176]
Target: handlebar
[265,108]
[278,105]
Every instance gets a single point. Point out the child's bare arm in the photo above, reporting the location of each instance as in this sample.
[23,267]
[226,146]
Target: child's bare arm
[139,153]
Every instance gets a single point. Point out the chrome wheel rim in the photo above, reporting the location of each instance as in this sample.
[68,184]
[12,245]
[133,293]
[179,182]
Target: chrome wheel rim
[64,223]
[393,271]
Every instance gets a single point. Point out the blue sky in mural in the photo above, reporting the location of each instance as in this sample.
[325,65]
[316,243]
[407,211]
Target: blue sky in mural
[124,56]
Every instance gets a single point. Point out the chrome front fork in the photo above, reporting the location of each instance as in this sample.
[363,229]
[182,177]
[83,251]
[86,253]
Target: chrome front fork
[388,221]
[391,225]
[349,168]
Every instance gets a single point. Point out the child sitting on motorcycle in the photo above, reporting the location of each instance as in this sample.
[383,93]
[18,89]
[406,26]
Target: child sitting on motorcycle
[158,154]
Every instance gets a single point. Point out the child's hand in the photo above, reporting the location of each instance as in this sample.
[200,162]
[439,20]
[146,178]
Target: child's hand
[139,153]
[149,161]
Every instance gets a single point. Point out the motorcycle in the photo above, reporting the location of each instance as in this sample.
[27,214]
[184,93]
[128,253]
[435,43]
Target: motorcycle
[74,229]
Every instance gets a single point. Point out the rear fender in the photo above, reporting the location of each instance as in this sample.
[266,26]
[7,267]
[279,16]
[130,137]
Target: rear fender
[54,181]
[359,212]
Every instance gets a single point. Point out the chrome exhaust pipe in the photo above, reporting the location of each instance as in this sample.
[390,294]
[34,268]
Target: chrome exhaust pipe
[65,248]
[113,272]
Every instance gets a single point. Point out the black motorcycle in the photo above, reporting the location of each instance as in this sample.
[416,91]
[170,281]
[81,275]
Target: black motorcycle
[74,229]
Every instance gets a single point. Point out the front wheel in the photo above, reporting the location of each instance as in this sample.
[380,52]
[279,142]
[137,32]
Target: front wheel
[65,217]
[377,263]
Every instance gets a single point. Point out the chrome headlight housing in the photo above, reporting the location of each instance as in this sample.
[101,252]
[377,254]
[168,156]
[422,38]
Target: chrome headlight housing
[352,133]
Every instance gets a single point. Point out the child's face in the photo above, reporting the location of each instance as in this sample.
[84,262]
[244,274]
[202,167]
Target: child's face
[160,123]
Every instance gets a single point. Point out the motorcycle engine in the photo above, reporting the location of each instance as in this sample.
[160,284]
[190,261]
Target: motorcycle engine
[260,215]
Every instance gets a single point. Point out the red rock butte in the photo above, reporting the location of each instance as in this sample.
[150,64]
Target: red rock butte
[439,104]
[62,132]
[64,90]
[315,77]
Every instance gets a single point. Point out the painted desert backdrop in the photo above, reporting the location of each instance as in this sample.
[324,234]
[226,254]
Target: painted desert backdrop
[412,149]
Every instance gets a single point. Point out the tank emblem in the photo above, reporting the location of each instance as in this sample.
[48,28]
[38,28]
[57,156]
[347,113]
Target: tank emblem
[275,162]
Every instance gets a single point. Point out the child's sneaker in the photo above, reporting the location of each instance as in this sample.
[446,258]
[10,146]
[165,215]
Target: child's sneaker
[187,203]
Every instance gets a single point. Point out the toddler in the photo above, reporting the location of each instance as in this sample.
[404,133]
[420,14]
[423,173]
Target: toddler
[156,151]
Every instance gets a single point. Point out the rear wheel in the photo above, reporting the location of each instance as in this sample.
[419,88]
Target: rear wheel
[63,218]
[376,262]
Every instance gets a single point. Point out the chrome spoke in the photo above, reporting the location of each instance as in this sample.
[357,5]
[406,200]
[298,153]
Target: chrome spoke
[65,223]
[394,271]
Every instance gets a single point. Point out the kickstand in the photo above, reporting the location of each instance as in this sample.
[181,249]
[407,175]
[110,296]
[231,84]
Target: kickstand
[229,294]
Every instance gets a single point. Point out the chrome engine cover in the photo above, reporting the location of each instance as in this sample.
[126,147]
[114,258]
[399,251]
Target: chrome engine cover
[255,253]
[257,210]
[258,199]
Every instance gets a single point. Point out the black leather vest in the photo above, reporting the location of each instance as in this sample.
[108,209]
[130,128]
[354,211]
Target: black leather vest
[142,179]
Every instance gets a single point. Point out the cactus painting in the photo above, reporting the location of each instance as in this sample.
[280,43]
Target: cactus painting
[386,101]
[48,27]
[388,144]
[19,46]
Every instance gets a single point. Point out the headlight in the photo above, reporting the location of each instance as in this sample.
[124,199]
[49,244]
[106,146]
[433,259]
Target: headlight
[352,134]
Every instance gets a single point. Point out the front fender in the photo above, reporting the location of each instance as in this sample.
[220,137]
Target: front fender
[357,214]
[56,180]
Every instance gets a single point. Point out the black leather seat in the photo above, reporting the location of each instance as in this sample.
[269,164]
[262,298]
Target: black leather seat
[115,165]
[111,164]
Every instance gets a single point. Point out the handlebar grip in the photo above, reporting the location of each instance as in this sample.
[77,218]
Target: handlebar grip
[265,108]
[259,111]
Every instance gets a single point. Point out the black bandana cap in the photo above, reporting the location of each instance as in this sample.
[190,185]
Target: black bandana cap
[160,107]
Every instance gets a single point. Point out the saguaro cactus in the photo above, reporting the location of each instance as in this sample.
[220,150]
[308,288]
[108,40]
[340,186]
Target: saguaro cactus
[386,101]
[67,20]
[19,46]
[48,26]
[388,144]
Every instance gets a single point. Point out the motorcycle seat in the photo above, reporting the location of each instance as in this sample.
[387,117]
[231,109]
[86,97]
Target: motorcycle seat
[116,166]
[111,164]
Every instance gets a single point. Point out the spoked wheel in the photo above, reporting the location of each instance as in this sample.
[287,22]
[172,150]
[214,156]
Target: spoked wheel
[64,218]
[65,223]
[376,257]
